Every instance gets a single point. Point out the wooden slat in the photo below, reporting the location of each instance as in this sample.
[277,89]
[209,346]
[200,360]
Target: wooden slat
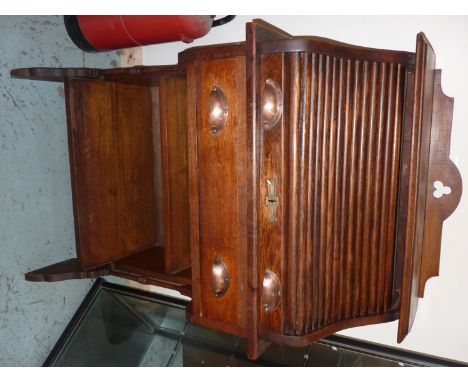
[350,223]
[303,137]
[345,133]
[338,172]
[173,132]
[311,307]
[416,155]
[331,159]
[377,277]
[391,224]
[318,191]
[293,191]
[369,190]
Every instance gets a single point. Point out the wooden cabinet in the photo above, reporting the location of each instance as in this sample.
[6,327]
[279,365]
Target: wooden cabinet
[292,186]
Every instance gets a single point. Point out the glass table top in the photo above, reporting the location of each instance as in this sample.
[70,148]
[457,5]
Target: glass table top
[122,327]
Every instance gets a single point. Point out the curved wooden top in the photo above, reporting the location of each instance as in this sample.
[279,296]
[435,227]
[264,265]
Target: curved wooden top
[327,46]
[211,52]
[274,40]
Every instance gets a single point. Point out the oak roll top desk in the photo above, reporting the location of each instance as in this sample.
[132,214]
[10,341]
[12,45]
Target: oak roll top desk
[291,186]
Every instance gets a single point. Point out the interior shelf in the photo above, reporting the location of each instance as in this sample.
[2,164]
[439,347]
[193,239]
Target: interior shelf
[147,267]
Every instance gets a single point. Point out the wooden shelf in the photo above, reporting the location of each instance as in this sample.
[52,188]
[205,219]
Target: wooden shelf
[147,267]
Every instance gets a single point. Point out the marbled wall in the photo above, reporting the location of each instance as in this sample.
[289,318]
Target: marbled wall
[36,221]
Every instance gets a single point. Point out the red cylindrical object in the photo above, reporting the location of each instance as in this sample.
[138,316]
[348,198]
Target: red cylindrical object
[117,32]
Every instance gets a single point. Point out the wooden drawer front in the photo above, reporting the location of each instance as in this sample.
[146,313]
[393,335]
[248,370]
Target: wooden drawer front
[335,157]
[217,161]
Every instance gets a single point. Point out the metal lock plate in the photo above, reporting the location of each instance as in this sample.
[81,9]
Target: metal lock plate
[271,200]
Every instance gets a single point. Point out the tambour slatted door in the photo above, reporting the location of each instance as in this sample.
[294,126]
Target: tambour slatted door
[344,191]
[335,157]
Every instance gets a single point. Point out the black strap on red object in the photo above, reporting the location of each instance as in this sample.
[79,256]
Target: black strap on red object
[222,20]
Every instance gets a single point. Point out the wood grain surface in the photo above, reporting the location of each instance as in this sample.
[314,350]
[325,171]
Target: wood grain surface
[158,195]
[414,183]
[111,160]
[220,196]
[336,159]
[441,168]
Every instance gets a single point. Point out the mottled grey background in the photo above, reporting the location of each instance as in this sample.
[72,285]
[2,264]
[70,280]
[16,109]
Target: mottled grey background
[36,221]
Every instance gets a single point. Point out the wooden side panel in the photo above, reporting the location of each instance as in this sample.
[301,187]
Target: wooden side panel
[220,196]
[256,32]
[414,181]
[273,156]
[111,157]
[441,169]
[173,130]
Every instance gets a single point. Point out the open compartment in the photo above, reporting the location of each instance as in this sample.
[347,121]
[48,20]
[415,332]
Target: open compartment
[128,158]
